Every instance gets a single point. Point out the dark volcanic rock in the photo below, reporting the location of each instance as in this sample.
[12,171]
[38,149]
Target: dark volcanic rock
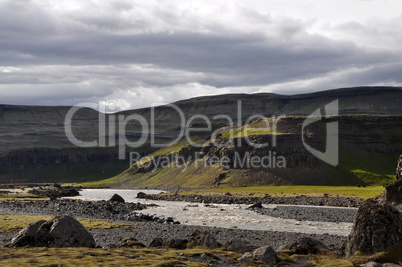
[62,231]
[156,242]
[117,198]
[203,239]
[305,246]
[141,195]
[256,206]
[376,227]
[26,237]
[55,191]
[237,245]
[264,254]
[392,194]
[176,243]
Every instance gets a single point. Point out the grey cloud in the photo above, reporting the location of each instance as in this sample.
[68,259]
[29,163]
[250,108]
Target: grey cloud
[142,53]
[232,57]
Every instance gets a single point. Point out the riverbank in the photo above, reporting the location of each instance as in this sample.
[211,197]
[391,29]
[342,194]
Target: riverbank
[147,227]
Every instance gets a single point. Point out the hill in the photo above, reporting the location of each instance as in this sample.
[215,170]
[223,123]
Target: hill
[368,148]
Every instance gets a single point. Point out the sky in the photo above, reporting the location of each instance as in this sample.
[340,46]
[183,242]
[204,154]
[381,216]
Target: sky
[131,54]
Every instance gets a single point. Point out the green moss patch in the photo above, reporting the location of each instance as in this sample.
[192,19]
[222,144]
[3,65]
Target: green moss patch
[292,190]
[12,223]
[102,257]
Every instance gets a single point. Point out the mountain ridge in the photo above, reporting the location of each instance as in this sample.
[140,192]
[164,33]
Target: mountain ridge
[37,127]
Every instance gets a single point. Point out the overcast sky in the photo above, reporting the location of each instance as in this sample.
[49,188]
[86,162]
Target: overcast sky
[134,53]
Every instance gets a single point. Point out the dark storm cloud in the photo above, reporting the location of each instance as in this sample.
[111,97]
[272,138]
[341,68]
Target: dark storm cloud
[243,60]
[105,52]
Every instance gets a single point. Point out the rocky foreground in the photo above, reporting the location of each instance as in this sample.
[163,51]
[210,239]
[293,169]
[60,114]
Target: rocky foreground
[141,230]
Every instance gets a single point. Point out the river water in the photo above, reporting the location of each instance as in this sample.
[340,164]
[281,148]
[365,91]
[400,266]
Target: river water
[218,215]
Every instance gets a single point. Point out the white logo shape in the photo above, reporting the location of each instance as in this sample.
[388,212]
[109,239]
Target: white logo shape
[331,153]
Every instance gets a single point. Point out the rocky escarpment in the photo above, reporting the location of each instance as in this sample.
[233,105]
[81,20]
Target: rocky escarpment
[283,158]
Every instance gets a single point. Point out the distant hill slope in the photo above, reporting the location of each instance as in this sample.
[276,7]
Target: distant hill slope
[43,126]
[27,131]
[369,145]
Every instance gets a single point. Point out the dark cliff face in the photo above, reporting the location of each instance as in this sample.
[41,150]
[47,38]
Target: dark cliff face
[61,165]
[32,127]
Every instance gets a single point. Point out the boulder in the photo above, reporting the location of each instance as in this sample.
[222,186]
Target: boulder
[264,254]
[392,194]
[376,227]
[255,206]
[156,242]
[117,198]
[305,245]
[171,243]
[176,243]
[237,245]
[141,195]
[26,237]
[203,239]
[248,256]
[61,231]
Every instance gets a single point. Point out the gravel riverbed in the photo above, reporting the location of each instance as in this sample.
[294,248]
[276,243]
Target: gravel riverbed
[325,200]
[145,229]
[303,213]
